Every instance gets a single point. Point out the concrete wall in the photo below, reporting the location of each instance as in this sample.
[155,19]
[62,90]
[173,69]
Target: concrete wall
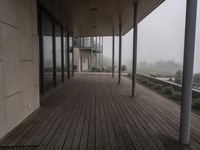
[19,71]
[81,59]
[85,61]
[77,59]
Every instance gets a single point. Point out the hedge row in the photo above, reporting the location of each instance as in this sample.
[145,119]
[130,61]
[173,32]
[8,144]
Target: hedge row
[169,92]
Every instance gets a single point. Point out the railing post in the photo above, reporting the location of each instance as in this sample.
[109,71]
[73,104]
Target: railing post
[189,48]
[135,31]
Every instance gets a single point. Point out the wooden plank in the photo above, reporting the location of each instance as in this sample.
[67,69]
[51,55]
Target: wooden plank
[92,112]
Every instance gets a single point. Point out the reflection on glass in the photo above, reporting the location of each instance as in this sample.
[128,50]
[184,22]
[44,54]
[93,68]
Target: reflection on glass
[65,55]
[70,58]
[48,53]
[70,55]
[58,55]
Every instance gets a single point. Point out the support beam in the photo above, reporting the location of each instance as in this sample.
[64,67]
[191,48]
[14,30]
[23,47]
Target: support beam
[68,61]
[189,48]
[72,56]
[62,56]
[54,55]
[113,55]
[102,54]
[41,48]
[120,53]
[99,53]
[135,31]
[92,47]
[96,53]
[81,62]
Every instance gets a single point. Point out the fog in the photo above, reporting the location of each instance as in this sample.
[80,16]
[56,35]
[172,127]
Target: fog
[160,37]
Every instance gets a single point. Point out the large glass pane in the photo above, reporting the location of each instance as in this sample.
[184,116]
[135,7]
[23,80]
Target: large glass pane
[70,56]
[48,53]
[65,55]
[58,54]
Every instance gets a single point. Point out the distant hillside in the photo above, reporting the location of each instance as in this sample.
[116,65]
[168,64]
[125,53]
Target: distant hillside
[160,67]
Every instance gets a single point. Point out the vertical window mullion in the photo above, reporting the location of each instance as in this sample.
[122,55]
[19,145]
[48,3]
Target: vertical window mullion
[62,54]
[68,60]
[41,52]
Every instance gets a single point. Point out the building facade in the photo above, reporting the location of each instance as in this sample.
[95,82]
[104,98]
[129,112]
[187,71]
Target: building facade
[88,54]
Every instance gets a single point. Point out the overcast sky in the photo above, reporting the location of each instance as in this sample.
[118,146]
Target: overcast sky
[160,36]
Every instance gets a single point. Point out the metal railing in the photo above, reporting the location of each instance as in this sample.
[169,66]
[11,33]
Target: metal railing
[85,42]
[177,87]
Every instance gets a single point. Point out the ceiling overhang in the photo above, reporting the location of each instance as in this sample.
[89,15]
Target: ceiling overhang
[98,17]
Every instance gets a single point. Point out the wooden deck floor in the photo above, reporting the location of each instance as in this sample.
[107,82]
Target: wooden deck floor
[93,112]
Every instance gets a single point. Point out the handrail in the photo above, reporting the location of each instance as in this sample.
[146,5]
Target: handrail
[177,87]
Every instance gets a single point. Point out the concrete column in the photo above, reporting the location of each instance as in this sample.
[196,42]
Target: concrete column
[120,53]
[73,56]
[68,61]
[102,54]
[96,53]
[189,48]
[54,55]
[135,31]
[62,55]
[99,53]
[92,46]
[113,55]
[41,47]
[81,62]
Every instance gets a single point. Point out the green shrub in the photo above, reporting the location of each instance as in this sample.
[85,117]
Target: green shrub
[144,81]
[150,84]
[177,96]
[196,104]
[168,90]
[158,87]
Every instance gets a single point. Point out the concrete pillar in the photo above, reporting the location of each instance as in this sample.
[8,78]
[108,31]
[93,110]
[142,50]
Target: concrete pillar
[92,47]
[99,53]
[135,31]
[73,56]
[68,61]
[54,55]
[120,53]
[96,53]
[62,55]
[189,48]
[113,55]
[102,53]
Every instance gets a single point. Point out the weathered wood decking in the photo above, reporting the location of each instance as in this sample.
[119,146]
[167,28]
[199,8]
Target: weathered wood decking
[93,112]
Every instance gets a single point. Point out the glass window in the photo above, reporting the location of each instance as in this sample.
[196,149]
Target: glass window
[65,55]
[58,55]
[70,56]
[48,53]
